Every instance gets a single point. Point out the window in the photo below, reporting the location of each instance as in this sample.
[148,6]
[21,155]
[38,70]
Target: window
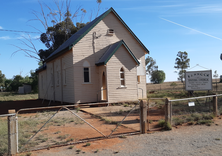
[86,72]
[122,77]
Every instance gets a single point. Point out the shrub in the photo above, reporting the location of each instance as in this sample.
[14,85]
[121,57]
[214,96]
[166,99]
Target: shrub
[178,121]
[202,122]
[167,126]
[70,147]
[161,123]
[207,116]
[196,116]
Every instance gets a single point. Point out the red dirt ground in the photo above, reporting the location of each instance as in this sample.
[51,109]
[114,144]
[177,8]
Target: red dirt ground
[82,131]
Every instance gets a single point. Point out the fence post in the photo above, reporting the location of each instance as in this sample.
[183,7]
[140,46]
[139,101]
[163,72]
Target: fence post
[215,109]
[143,116]
[168,111]
[12,134]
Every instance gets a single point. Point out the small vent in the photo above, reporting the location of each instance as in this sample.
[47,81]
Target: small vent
[110,32]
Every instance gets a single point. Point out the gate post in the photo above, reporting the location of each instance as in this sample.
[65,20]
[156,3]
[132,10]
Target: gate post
[143,116]
[215,109]
[168,111]
[12,134]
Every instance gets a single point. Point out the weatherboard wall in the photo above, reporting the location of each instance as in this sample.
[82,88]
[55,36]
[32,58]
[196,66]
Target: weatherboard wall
[91,47]
[55,88]
[42,83]
[116,92]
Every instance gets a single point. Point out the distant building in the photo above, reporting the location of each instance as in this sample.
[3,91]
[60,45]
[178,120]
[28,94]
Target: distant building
[25,89]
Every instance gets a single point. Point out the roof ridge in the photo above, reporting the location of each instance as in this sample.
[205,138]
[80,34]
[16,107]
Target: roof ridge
[75,38]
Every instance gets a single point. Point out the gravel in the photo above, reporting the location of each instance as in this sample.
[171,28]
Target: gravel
[196,140]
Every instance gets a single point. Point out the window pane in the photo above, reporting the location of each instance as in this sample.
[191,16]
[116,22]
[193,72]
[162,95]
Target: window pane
[122,75]
[86,74]
[122,83]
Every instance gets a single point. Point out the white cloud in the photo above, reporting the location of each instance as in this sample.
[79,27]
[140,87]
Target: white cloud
[21,37]
[207,9]
[5,38]
[193,30]
[1,27]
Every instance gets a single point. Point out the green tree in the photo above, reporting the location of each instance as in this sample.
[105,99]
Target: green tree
[34,81]
[173,84]
[59,24]
[16,82]
[157,76]
[2,79]
[150,65]
[215,76]
[7,83]
[181,64]
[57,34]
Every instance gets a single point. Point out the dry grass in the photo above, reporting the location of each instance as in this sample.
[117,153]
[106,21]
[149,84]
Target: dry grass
[166,86]
[7,96]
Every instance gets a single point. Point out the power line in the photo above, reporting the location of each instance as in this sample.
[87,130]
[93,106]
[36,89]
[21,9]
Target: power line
[19,31]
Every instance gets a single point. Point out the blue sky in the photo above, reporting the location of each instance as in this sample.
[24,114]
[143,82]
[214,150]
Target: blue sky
[164,26]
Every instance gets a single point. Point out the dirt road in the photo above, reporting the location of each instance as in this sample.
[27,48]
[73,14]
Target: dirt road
[196,140]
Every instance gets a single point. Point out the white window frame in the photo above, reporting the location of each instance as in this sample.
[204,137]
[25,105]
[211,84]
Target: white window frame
[122,71]
[86,65]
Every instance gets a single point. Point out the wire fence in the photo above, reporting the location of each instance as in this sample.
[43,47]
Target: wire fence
[156,113]
[197,110]
[3,135]
[60,126]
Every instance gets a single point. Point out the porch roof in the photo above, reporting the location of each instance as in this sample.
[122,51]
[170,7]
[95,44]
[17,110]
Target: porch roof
[111,51]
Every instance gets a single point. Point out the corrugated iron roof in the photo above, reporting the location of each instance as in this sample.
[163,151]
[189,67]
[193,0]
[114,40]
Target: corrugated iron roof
[75,38]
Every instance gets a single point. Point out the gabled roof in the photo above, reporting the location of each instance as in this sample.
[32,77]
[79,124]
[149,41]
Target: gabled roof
[75,38]
[111,51]
[41,68]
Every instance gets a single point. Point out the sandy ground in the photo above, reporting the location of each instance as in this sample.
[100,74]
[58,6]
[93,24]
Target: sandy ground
[198,140]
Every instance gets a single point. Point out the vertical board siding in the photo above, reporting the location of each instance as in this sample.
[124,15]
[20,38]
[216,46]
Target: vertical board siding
[42,83]
[68,88]
[122,59]
[61,91]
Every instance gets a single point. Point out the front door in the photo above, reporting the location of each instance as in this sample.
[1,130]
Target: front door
[104,87]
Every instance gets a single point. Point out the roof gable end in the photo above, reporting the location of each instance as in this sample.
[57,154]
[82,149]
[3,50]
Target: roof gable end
[112,50]
[75,38]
